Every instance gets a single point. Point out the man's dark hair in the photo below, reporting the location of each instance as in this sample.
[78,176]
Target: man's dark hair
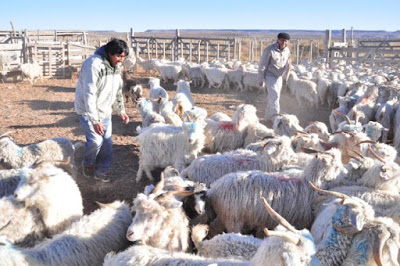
[284,35]
[117,46]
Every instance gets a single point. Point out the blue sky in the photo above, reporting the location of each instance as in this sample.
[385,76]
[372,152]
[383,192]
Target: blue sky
[121,15]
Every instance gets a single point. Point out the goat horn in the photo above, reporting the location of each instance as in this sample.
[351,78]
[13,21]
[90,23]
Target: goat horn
[379,242]
[40,162]
[308,150]
[294,240]
[348,121]
[188,117]
[277,217]
[328,192]
[366,141]
[265,137]
[357,153]
[375,154]
[100,204]
[276,115]
[7,134]
[355,158]
[160,185]
[302,132]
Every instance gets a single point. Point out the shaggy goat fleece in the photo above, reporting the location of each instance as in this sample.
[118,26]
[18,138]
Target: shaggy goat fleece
[86,242]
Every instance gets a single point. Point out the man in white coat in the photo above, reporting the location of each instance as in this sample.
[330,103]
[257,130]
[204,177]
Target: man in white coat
[274,63]
[99,88]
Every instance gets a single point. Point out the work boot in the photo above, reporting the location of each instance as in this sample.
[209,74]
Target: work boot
[103,177]
[88,171]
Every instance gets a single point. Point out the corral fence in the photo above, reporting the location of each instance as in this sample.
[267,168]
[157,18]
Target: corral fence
[199,49]
[58,53]
[369,51]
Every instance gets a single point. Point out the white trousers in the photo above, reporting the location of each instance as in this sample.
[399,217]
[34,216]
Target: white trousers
[273,88]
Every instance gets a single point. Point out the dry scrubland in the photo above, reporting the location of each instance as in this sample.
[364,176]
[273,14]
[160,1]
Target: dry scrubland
[46,110]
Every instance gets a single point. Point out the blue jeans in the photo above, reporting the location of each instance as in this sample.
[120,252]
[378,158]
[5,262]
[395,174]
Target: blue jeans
[98,149]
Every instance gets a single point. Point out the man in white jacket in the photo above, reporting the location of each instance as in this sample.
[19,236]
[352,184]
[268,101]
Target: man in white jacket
[274,62]
[99,88]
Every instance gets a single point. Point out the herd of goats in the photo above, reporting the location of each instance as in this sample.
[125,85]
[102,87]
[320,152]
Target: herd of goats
[233,191]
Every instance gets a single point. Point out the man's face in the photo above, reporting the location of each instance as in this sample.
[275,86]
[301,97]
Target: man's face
[282,43]
[117,59]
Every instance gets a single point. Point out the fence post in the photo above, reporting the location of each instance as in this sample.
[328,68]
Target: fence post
[173,51]
[328,36]
[207,51]
[63,62]
[176,45]
[198,52]
[217,51]
[310,55]
[148,49]
[235,49]
[240,49]
[156,44]
[24,47]
[261,50]
[297,51]
[190,51]
[344,35]
[137,56]
[164,50]
[229,51]
[68,53]
[250,49]
[132,36]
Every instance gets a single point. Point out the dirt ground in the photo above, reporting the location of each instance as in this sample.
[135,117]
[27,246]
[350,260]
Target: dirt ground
[46,110]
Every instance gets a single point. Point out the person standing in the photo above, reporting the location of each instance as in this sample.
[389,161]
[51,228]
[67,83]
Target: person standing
[99,88]
[274,63]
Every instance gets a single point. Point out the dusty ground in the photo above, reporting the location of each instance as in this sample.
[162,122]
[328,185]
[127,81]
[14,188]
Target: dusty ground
[46,110]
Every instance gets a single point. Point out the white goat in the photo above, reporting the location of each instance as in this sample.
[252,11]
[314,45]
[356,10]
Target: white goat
[216,76]
[159,220]
[85,242]
[32,71]
[147,114]
[53,192]
[164,145]
[21,225]
[229,135]
[14,156]
[237,193]
[303,89]
[156,93]
[275,154]
[168,71]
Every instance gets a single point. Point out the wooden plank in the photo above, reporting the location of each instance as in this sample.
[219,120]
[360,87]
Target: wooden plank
[10,46]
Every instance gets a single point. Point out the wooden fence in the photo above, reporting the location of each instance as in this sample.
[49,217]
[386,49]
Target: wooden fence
[371,51]
[199,49]
[192,49]
[57,58]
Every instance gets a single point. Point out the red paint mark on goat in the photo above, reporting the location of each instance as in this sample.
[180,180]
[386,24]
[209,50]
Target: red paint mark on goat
[226,125]
[284,178]
[365,100]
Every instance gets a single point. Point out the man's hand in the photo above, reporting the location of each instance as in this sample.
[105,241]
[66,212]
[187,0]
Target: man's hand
[99,128]
[125,118]
[260,83]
